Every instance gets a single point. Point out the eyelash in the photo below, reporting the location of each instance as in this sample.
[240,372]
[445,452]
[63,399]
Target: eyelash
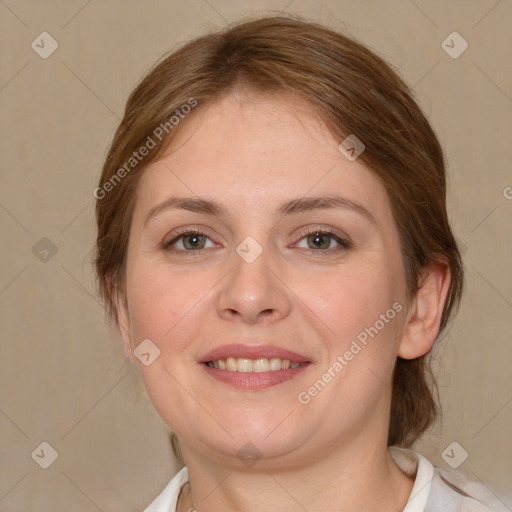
[343,242]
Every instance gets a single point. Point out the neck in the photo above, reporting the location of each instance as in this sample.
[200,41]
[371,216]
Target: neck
[344,479]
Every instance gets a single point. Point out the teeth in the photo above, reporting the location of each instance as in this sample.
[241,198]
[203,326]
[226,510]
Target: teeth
[231,364]
[275,364]
[244,365]
[262,364]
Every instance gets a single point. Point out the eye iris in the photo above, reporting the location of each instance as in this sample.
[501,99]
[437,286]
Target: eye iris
[319,241]
[197,241]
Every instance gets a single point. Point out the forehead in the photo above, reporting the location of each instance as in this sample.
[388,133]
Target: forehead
[253,150]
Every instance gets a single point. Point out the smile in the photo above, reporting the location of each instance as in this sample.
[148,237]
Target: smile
[252,366]
[260,365]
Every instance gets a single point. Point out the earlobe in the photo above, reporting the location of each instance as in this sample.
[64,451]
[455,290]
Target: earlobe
[425,313]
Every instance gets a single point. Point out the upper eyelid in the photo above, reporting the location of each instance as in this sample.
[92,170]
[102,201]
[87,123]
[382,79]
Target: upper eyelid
[183,232]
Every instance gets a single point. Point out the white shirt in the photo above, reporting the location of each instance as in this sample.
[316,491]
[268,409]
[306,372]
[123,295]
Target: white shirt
[434,489]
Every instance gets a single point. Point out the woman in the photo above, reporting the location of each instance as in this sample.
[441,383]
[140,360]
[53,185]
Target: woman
[274,245]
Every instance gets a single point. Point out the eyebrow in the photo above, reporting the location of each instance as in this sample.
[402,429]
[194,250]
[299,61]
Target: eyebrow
[291,207]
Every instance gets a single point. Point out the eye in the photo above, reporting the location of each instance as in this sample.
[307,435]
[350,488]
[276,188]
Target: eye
[189,241]
[322,240]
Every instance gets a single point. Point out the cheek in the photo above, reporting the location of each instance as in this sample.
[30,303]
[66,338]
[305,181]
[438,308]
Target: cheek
[362,305]
[162,308]
[353,298]
[160,299]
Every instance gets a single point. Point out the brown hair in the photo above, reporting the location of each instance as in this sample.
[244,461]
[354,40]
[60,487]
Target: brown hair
[355,92]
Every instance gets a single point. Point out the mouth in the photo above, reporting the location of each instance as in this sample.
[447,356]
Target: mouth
[253,367]
[260,365]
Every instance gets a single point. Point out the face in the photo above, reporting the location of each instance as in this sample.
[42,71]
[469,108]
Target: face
[255,231]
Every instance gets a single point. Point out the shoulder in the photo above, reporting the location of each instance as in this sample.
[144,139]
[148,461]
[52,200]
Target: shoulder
[167,499]
[436,489]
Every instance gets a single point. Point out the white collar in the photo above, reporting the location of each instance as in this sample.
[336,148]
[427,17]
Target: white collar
[413,463]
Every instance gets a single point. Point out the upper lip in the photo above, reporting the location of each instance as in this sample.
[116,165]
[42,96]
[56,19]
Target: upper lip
[252,352]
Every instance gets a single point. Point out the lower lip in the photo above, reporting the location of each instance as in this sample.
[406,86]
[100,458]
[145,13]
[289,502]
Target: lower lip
[254,380]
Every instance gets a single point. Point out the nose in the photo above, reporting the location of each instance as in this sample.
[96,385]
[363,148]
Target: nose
[253,292]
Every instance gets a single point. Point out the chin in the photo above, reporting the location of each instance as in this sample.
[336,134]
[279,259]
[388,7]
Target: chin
[262,447]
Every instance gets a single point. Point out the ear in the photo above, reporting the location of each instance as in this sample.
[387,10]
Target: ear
[123,320]
[425,312]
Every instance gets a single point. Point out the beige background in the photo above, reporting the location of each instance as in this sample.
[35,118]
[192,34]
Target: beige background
[63,376]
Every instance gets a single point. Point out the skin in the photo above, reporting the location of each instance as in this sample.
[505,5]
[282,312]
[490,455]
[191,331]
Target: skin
[251,153]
